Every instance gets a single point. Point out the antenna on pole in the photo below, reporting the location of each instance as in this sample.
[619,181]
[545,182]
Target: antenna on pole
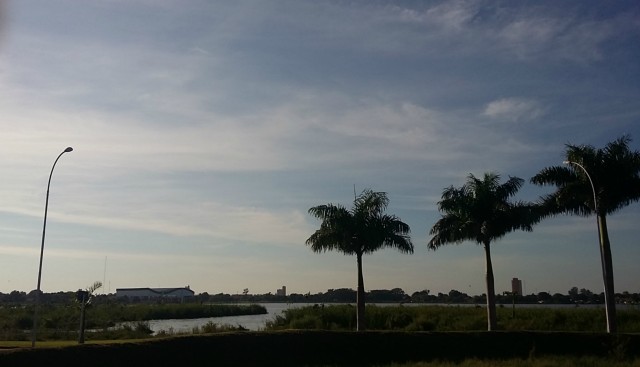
[355,197]
[104,276]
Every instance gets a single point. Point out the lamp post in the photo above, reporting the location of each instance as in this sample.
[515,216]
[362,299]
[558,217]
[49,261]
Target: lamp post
[608,285]
[593,188]
[44,227]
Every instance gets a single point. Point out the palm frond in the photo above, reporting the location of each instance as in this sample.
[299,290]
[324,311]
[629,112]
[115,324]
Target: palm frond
[370,203]
[326,211]
[389,231]
[509,188]
[556,175]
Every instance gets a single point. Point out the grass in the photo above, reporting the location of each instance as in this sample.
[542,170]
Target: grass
[63,343]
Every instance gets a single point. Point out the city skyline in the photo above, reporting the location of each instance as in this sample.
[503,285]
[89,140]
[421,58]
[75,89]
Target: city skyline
[202,132]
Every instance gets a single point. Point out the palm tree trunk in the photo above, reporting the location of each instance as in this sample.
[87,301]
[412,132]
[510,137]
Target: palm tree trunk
[360,322]
[491,294]
[82,321]
[607,274]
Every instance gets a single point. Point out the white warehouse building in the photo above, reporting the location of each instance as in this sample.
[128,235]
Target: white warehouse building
[152,293]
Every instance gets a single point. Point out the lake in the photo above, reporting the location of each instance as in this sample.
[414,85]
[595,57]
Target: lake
[251,322]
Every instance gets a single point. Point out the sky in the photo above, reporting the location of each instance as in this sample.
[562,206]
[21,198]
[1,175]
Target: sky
[203,131]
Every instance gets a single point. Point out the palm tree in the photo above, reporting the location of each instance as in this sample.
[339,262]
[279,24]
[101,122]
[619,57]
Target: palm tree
[600,182]
[480,211]
[361,230]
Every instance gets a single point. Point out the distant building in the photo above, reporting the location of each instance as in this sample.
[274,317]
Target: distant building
[516,286]
[154,293]
[282,291]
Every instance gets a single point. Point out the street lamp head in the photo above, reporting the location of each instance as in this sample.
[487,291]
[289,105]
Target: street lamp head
[68,149]
[566,162]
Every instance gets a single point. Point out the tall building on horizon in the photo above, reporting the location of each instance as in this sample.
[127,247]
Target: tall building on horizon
[516,286]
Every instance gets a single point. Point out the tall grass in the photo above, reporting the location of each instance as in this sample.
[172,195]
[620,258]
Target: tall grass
[452,318]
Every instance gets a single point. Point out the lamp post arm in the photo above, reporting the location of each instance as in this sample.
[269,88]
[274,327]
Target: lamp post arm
[593,188]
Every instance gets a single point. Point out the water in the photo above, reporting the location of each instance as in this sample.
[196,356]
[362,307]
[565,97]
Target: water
[251,322]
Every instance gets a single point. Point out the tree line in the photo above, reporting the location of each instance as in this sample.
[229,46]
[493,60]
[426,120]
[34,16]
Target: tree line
[339,295]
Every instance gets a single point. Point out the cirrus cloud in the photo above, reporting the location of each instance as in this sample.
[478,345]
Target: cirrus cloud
[514,109]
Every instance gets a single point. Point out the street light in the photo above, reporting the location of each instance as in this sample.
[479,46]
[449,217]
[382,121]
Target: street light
[44,227]
[609,303]
[593,188]
[595,203]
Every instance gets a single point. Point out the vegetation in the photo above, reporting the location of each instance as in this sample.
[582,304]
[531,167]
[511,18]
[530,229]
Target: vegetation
[451,318]
[60,321]
[359,231]
[480,211]
[575,295]
[600,182]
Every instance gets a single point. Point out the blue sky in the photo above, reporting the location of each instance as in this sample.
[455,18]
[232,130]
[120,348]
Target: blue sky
[203,131]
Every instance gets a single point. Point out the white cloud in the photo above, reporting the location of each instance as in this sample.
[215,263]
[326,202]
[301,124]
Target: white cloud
[531,33]
[552,34]
[528,36]
[453,15]
[514,109]
[406,124]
